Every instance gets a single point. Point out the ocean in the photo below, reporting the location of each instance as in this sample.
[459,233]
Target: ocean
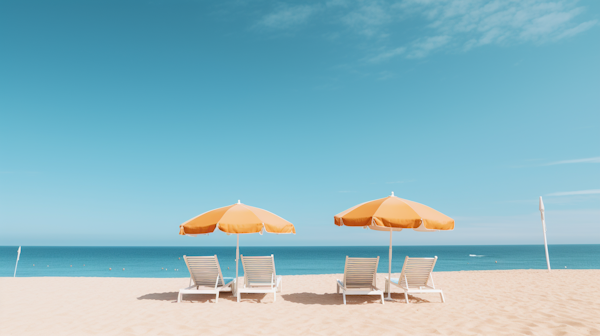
[167,262]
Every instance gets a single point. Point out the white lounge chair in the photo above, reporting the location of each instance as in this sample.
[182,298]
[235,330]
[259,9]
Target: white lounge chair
[205,277]
[260,276]
[360,278]
[415,277]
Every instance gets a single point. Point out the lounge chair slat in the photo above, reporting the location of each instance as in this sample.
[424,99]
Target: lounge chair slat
[205,277]
[260,276]
[416,277]
[360,278]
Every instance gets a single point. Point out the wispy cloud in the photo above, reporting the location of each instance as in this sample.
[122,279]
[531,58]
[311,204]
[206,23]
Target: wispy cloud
[369,17]
[286,17]
[572,193]
[423,47]
[578,29]
[588,160]
[387,55]
[471,24]
[438,25]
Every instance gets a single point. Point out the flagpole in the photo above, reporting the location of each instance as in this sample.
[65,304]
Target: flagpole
[17,264]
[542,209]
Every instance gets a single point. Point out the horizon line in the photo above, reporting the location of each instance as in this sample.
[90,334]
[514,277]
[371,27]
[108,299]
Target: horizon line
[285,245]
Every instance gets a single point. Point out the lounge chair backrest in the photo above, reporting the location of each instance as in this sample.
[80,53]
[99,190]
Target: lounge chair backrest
[205,271]
[417,271]
[259,271]
[360,272]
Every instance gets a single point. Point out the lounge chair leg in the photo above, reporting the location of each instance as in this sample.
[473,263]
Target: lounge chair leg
[179,298]
[344,295]
[337,288]
[274,296]
[238,297]
[442,295]
[406,296]
[217,299]
[382,300]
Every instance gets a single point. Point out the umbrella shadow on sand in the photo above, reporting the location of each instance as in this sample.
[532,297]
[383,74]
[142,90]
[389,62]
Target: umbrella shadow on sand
[202,298]
[336,299]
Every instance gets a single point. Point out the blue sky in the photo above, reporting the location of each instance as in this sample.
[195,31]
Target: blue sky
[119,120]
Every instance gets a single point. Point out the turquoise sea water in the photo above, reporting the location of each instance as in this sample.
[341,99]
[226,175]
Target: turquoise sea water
[165,262]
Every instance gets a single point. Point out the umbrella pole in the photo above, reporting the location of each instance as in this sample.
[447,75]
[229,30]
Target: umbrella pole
[237,258]
[389,287]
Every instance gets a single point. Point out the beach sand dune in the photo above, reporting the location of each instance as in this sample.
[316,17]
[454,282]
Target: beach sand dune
[527,302]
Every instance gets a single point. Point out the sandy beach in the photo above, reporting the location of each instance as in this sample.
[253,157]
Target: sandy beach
[530,302]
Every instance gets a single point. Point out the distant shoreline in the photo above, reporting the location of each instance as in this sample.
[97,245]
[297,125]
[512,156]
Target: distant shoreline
[382,245]
[382,274]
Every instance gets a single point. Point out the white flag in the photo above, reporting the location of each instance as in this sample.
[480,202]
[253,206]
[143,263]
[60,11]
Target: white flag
[17,264]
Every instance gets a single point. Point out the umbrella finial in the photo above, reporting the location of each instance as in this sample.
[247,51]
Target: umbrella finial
[392,193]
[239,202]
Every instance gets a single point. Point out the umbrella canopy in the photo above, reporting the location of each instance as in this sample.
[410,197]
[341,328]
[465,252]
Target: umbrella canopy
[239,219]
[394,214]
[236,218]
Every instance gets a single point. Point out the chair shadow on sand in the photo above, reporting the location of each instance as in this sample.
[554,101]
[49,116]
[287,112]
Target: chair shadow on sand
[302,298]
[336,299]
[202,298]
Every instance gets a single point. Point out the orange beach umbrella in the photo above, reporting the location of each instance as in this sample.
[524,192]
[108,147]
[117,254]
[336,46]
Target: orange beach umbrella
[394,214]
[238,219]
